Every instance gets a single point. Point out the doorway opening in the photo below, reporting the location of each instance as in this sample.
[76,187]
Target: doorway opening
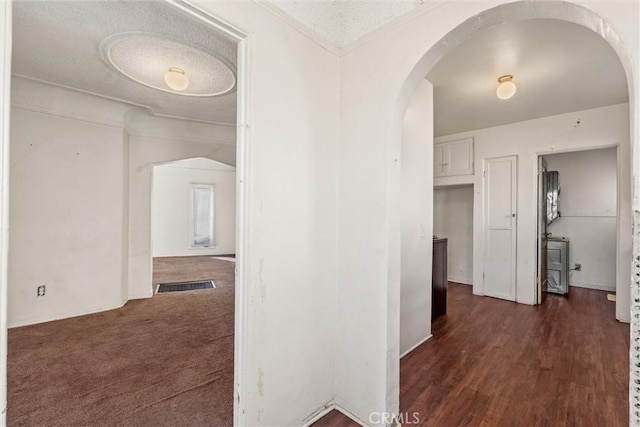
[582,212]
[522,139]
[193,214]
[453,220]
[84,142]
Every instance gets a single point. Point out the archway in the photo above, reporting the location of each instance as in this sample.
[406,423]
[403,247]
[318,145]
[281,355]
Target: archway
[510,13]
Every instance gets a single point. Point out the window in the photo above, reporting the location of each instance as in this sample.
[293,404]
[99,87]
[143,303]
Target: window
[202,215]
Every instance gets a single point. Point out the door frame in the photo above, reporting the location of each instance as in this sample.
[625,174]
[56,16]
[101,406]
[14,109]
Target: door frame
[241,335]
[541,258]
[620,227]
[243,161]
[6,35]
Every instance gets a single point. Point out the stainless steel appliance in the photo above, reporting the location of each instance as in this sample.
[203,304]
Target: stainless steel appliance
[557,265]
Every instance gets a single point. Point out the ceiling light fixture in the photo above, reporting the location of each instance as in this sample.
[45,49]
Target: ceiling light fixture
[176,79]
[506,88]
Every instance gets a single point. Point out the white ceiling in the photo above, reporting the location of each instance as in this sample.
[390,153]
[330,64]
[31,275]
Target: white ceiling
[557,66]
[59,41]
[343,21]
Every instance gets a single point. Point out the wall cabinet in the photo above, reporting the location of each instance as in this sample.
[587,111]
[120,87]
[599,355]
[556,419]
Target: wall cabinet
[453,158]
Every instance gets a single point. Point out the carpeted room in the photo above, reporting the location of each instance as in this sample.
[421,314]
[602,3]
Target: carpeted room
[89,339]
[167,360]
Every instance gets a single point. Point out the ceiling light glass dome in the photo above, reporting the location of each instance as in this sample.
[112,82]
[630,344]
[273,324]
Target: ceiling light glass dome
[167,65]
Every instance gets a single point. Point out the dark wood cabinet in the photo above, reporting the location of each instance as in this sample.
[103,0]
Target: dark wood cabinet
[439,279]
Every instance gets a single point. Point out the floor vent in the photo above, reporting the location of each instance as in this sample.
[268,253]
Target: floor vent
[185,286]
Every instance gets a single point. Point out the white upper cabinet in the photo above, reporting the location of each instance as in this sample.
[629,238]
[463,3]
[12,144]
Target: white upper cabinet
[453,158]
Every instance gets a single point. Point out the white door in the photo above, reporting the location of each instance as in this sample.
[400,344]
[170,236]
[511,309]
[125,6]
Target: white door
[500,227]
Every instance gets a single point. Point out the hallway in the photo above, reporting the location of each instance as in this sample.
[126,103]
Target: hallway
[496,363]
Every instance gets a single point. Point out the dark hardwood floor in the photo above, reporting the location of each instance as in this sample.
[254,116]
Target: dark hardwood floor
[496,363]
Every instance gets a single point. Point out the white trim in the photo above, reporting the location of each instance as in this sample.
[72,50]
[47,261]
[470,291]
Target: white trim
[453,181]
[182,140]
[118,100]
[243,231]
[41,319]
[319,413]
[141,295]
[402,20]
[422,9]
[349,414]
[241,334]
[328,407]
[463,282]
[418,344]
[67,115]
[204,16]
[611,289]
[5,111]
[299,27]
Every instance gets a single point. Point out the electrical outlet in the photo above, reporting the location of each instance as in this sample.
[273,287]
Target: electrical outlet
[41,290]
[577,267]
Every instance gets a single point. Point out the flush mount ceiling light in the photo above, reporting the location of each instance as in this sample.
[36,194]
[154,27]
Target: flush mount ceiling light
[167,65]
[506,88]
[176,79]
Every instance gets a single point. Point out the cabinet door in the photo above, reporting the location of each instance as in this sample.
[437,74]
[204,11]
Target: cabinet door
[459,157]
[438,160]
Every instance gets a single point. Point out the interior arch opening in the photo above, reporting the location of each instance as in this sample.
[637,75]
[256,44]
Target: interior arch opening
[506,149]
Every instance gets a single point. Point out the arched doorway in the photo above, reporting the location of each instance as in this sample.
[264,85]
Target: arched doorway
[484,20]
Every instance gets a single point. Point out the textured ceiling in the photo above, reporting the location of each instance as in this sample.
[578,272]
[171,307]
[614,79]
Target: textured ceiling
[557,66]
[344,21]
[59,42]
[146,58]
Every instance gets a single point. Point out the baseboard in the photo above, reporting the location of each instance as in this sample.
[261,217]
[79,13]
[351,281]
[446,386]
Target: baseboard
[141,295]
[319,413]
[623,320]
[349,414]
[37,320]
[328,407]
[596,287]
[428,337]
[464,282]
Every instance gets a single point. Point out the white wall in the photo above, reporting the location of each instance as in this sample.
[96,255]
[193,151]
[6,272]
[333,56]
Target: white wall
[89,161]
[417,219]
[453,219]
[291,206]
[67,205]
[588,207]
[598,128]
[171,207]
[291,291]
[155,140]
[372,107]
[339,127]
